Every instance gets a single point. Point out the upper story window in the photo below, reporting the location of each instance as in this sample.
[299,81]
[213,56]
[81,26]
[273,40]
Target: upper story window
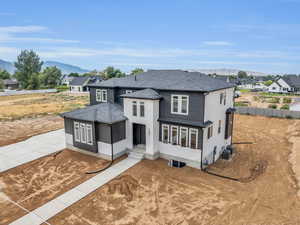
[142,109]
[101,95]
[223,98]
[134,108]
[128,91]
[180,104]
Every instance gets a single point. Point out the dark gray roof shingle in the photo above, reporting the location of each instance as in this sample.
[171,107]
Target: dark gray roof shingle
[104,113]
[143,94]
[168,80]
[79,81]
[292,80]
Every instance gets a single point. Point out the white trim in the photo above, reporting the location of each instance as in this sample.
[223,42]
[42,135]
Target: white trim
[190,137]
[180,104]
[89,134]
[76,131]
[82,133]
[162,133]
[142,104]
[187,136]
[171,136]
[100,93]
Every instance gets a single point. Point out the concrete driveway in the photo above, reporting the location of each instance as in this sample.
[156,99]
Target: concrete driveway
[33,148]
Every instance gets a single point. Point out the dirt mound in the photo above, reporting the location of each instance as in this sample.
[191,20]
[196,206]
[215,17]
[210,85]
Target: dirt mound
[258,169]
[125,185]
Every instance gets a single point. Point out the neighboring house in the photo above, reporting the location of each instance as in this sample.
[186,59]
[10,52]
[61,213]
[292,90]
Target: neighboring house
[11,84]
[80,84]
[172,114]
[286,84]
[66,79]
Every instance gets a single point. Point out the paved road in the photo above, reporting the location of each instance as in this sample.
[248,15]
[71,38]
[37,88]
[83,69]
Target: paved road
[50,209]
[33,148]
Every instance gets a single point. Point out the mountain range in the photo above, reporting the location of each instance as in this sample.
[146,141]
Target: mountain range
[227,72]
[65,68]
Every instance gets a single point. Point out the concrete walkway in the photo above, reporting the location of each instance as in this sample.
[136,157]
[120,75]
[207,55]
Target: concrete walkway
[50,209]
[33,148]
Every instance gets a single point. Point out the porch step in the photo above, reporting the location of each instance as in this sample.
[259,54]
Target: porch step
[136,154]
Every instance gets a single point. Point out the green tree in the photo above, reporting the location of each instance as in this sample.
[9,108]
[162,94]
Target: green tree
[1,85]
[28,66]
[136,71]
[51,77]
[4,74]
[34,81]
[242,74]
[268,82]
[74,75]
[111,72]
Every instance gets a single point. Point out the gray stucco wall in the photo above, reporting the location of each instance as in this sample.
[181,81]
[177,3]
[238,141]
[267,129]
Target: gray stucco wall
[110,95]
[103,132]
[196,106]
[69,128]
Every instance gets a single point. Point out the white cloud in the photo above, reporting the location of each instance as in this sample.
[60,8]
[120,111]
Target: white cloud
[22,29]
[217,43]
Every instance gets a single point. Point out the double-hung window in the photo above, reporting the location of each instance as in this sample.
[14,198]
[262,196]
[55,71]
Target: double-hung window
[142,109]
[83,133]
[134,108]
[76,131]
[210,132]
[221,98]
[220,126]
[89,134]
[101,95]
[193,138]
[165,133]
[174,135]
[184,136]
[180,104]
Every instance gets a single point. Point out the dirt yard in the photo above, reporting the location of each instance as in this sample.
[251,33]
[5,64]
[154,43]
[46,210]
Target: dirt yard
[259,100]
[32,105]
[35,183]
[20,130]
[23,116]
[153,193]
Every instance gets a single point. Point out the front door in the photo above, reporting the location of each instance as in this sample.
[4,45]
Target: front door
[139,134]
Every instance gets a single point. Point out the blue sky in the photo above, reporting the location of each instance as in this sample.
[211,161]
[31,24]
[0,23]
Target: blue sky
[260,35]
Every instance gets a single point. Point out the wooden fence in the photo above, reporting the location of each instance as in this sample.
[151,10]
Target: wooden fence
[268,112]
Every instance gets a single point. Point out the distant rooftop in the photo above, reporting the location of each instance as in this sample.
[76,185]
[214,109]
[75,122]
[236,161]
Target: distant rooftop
[168,80]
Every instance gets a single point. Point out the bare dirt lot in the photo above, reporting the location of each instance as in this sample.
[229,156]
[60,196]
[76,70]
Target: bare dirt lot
[263,100]
[153,193]
[34,184]
[32,105]
[19,130]
[23,116]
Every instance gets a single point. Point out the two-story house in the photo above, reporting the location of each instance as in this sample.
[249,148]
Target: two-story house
[172,114]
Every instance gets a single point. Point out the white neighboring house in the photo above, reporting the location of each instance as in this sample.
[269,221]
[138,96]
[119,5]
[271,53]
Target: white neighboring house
[80,84]
[286,84]
[172,114]
[66,80]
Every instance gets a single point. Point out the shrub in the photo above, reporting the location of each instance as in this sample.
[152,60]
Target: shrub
[272,106]
[287,100]
[285,107]
[237,104]
[273,100]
